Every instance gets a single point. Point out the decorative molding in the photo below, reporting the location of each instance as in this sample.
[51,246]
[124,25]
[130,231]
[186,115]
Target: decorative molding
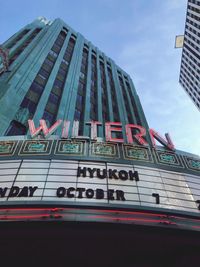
[192,163]
[7,148]
[36,147]
[70,147]
[140,153]
[168,158]
[106,150]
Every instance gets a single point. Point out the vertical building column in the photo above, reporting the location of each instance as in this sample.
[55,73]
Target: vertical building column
[110,110]
[120,100]
[87,94]
[142,119]
[68,104]
[99,96]
[129,101]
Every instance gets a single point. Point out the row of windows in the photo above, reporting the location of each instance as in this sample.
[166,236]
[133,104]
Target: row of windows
[113,96]
[51,109]
[190,62]
[191,57]
[129,95]
[188,89]
[196,2]
[120,76]
[193,44]
[36,89]
[193,34]
[126,101]
[94,54]
[186,47]
[189,77]
[197,10]
[190,67]
[105,108]
[133,102]
[186,67]
[45,70]
[192,23]
[17,38]
[115,106]
[93,92]
[193,16]
[196,40]
[23,46]
[80,99]
[189,85]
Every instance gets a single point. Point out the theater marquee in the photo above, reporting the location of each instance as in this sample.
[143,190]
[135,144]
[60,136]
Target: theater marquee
[65,181]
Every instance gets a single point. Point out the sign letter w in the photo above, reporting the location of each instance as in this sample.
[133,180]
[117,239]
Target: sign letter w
[42,128]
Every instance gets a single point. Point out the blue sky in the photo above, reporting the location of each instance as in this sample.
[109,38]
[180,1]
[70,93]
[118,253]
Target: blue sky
[139,35]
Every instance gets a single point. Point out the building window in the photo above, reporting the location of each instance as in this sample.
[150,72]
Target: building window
[16,128]
[44,73]
[30,105]
[35,87]
[77,115]
[53,98]
[48,117]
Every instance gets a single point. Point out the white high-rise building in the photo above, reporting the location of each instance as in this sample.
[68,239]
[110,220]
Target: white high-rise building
[190,62]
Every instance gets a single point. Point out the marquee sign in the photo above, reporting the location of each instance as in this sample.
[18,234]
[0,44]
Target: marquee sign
[99,184]
[134,133]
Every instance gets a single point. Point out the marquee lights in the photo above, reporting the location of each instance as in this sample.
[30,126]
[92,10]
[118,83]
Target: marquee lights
[134,133]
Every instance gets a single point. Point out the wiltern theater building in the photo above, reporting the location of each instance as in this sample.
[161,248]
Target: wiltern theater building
[82,176]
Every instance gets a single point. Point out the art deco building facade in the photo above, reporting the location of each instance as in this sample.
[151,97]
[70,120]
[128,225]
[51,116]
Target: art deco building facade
[55,73]
[190,62]
[90,184]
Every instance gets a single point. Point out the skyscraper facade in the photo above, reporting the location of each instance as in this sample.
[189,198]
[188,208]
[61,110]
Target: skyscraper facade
[190,62]
[75,148]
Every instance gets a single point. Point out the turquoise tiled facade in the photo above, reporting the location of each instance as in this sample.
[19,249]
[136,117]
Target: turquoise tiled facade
[81,82]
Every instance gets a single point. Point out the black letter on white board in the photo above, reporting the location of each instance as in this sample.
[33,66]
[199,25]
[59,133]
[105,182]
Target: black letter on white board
[157,197]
